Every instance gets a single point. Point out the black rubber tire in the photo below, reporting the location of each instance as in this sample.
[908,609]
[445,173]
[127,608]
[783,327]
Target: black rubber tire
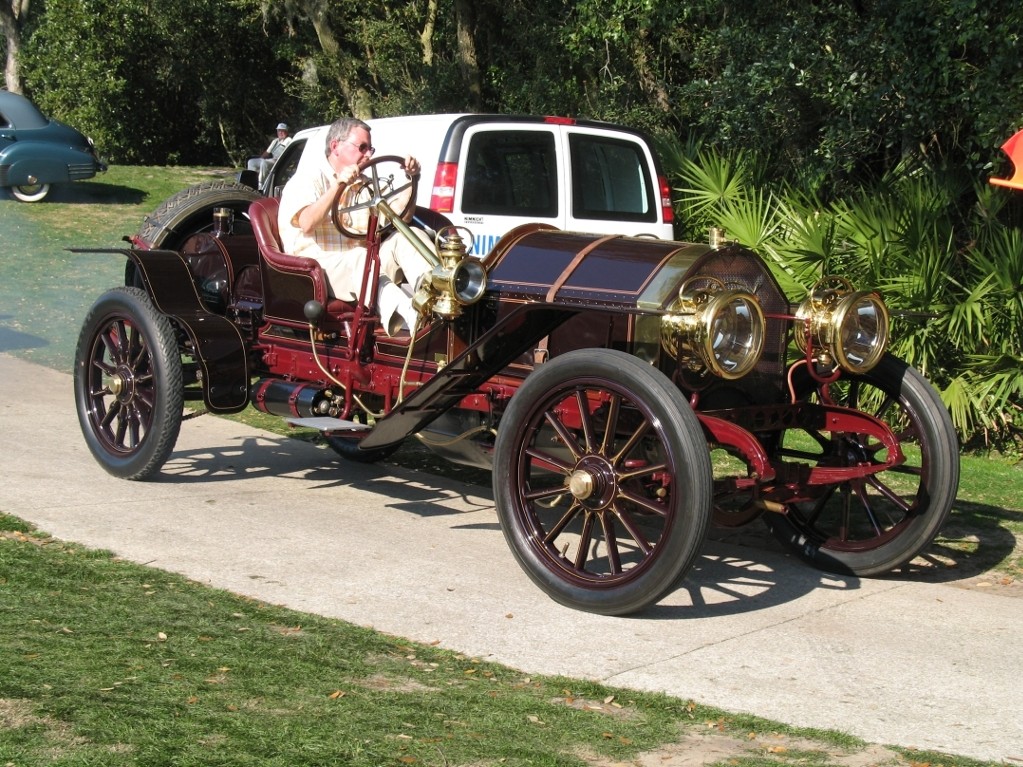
[878,534]
[635,530]
[191,211]
[128,384]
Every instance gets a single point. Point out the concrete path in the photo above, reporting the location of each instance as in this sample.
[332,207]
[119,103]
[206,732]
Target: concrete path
[897,662]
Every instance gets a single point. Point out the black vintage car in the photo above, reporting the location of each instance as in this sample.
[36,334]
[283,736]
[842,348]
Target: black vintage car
[626,392]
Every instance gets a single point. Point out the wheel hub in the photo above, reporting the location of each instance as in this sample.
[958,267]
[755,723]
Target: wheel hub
[593,482]
[120,385]
[580,483]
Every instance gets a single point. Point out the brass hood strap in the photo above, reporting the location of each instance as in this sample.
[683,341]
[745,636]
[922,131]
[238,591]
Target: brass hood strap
[541,353]
[575,263]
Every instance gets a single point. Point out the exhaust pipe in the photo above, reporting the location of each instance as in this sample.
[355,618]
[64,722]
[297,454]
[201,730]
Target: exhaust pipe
[289,399]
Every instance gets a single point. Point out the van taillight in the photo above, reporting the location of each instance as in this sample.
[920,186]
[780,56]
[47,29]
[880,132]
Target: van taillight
[666,210]
[443,198]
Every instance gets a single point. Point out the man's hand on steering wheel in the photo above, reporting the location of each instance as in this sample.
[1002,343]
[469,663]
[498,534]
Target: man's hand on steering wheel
[378,180]
[349,174]
[411,166]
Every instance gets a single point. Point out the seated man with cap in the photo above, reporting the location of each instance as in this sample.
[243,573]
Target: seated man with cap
[265,161]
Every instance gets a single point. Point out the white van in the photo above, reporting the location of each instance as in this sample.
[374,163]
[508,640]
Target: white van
[490,173]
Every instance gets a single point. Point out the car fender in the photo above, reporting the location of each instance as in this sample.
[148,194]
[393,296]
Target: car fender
[217,342]
[30,162]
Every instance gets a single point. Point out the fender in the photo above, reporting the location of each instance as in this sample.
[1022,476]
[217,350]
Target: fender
[218,344]
[46,163]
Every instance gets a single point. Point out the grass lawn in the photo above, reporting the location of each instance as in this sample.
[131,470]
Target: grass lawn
[110,663]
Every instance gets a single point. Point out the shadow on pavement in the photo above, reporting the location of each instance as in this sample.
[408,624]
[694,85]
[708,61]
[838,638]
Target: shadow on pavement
[728,578]
[11,339]
[740,569]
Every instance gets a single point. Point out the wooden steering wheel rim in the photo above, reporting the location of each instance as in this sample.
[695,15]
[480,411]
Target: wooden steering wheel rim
[337,211]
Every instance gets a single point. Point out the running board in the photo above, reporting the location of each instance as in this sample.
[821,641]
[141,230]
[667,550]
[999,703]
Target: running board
[328,425]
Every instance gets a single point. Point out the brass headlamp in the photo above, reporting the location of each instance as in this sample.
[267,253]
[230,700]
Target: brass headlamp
[457,281]
[714,328]
[844,327]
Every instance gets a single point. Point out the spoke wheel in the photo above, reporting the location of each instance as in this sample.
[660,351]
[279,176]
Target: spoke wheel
[603,481]
[128,384]
[30,192]
[879,523]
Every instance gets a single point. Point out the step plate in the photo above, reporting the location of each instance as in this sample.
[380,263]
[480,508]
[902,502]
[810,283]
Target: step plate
[328,425]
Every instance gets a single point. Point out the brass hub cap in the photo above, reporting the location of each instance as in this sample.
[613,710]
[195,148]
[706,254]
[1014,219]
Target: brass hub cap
[593,482]
[580,483]
[120,385]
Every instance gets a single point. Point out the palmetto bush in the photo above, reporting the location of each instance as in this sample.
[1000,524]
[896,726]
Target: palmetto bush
[944,252]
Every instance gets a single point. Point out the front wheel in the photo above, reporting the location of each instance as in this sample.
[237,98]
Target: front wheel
[876,524]
[30,192]
[128,384]
[603,481]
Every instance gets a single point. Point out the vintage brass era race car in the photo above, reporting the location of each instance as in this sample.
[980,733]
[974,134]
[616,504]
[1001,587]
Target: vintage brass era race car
[627,392]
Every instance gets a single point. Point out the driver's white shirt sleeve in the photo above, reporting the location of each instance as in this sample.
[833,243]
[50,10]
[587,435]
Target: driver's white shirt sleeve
[305,188]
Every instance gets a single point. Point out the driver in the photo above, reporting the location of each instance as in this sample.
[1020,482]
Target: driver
[306,229]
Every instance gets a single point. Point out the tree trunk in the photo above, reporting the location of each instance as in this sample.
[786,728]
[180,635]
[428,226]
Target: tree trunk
[13,15]
[426,38]
[469,64]
[12,72]
[359,101]
[648,80]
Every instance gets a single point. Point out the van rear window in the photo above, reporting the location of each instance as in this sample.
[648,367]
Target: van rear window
[611,180]
[511,173]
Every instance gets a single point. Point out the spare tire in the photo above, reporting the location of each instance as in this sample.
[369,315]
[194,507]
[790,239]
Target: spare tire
[191,211]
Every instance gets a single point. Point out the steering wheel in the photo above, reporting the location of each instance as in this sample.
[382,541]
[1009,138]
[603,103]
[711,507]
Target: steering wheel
[383,178]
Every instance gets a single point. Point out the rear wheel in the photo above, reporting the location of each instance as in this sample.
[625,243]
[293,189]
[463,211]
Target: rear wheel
[30,192]
[874,525]
[128,384]
[603,481]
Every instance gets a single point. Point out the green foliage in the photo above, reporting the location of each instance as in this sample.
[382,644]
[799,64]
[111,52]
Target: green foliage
[169,84]
[831,91]
[826,93]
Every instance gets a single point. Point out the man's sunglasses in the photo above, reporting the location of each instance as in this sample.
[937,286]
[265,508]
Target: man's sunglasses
[364,147]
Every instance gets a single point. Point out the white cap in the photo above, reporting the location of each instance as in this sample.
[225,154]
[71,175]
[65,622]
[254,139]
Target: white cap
[282,126]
